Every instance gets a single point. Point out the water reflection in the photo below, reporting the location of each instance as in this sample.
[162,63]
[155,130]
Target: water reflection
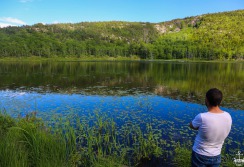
[166,94]
[178,80]
[170,116]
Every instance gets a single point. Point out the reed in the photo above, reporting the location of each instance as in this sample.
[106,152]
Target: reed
[27,142]
[92,141]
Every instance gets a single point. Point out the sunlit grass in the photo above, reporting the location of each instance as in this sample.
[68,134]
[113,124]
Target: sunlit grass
[27,142]
[94,140]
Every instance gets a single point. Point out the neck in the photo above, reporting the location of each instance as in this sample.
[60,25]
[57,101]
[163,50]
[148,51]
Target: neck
[214,109]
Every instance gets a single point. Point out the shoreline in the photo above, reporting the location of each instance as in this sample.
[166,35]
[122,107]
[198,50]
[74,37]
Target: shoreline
[106,58]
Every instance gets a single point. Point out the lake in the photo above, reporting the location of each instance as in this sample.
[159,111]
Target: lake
[167,94]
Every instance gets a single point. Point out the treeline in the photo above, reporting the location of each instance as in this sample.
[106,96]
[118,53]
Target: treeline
[211,36]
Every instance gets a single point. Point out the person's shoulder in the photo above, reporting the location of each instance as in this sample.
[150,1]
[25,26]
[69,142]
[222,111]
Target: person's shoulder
[227,114]
[228,118]
[204,113]
[199,115]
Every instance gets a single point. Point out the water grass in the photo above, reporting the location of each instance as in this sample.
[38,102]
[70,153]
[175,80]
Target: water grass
[93,141]
[27,142]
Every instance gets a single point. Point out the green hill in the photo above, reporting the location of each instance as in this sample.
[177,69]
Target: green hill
[210,36]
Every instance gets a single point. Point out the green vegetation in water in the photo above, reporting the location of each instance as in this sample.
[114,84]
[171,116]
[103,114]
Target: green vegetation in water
[208,37]
[97,141]
[27,142]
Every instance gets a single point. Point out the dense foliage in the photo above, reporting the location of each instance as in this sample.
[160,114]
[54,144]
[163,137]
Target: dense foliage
[27,142]
[210,36]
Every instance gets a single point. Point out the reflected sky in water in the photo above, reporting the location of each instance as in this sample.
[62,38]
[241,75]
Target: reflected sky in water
[186,81]
[166,94]
[134,108]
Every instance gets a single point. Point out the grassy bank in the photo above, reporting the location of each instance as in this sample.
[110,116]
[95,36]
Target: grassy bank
[103,58]
[29,141]
[82,58]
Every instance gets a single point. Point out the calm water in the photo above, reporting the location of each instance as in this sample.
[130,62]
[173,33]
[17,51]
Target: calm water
[167,94]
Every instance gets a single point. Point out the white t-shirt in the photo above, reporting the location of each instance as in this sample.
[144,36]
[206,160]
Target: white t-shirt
[213,129]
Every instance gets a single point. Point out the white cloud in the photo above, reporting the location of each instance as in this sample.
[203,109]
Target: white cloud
[2,25]
[9,21]
[55,22]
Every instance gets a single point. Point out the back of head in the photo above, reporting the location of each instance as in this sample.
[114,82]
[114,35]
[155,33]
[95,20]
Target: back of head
[214,96]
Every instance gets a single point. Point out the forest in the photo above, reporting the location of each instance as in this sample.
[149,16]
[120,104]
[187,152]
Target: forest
[217,36]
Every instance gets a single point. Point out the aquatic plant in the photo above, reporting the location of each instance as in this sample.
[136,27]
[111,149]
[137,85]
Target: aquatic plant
[96,139]
[182,155]
[27,142]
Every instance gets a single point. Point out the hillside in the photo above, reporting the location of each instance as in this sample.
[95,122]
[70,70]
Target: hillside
[210,36]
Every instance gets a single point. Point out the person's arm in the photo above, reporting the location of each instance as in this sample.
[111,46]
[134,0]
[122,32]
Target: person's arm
[196,123]
[192,127]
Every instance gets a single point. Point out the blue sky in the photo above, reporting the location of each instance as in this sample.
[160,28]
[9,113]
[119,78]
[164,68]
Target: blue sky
[28,12]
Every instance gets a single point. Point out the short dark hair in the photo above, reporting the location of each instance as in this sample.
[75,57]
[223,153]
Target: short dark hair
[214,96]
